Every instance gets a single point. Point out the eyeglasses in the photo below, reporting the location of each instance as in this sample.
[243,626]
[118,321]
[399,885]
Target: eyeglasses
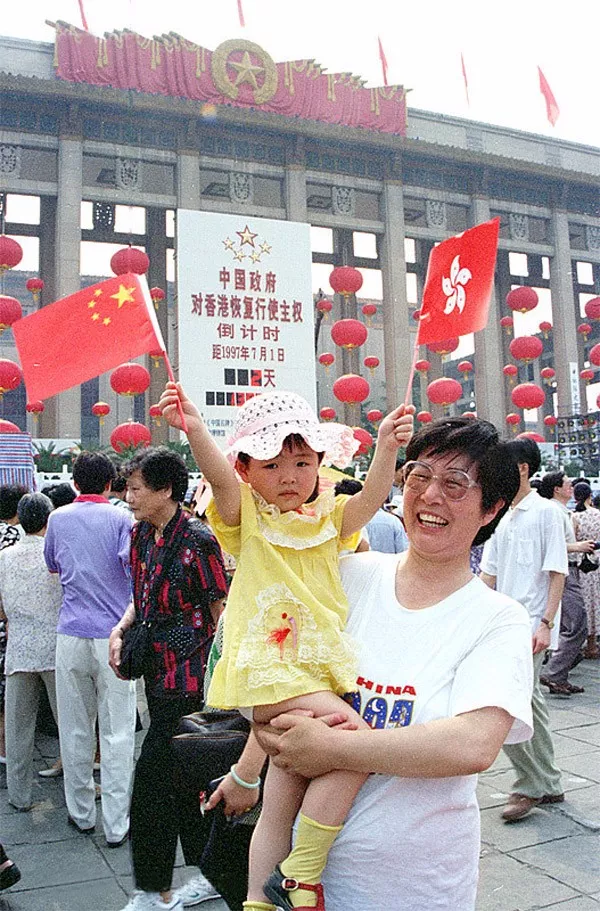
[454,483]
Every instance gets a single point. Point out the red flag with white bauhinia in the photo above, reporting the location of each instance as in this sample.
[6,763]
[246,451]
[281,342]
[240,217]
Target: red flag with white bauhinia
[459,284]
[86,334]
[552,108]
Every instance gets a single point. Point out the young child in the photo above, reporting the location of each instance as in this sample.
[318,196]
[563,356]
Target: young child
[284,643]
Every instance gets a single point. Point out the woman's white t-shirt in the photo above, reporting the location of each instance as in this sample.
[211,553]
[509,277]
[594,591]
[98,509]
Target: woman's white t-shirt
[413,844]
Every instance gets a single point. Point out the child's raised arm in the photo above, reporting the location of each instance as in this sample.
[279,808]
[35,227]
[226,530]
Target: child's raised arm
[211,461]
[395,430]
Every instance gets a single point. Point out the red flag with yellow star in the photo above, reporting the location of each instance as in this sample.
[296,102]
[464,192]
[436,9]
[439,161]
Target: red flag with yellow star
[86,334]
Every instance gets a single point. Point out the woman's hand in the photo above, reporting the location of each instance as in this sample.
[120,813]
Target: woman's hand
[115,644]
[300,744]
[397,427]
[168,404]
[236,800]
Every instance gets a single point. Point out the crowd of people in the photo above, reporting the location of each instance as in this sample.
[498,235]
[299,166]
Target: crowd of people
[354,626]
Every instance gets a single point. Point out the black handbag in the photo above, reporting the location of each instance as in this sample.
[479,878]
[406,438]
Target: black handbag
[586,565]
[207,744]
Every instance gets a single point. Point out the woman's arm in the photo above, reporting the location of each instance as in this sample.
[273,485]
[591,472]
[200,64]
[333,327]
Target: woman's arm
[395,430]
[237,799]
[211,461]
[115,640]
[462,745]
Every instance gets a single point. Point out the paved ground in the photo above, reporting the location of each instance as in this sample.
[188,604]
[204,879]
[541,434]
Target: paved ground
[549,860]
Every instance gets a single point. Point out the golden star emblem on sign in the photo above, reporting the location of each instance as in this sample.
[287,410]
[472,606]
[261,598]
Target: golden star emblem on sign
[241,57]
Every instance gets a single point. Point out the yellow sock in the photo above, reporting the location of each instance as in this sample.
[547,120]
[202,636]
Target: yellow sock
[308,858]
[257,906]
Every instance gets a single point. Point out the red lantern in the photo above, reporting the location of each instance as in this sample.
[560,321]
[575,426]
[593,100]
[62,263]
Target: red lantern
[349,333]
[157,294]
[594,355]
[374,415]
[346,280]
[351,388]
[551,421]
[547,374]
[326,359]
[328,414]
[444,391]
[324,306]
[528,395]
[130,259]
[422,366]
[101,409]
[8,427]
[130,434]
[371,363]
[545,327]
[465,367]
[531,435]
[130,379]
[592,308]
[364,438]
[424,417]
[11,254]
[155,412]
[584,329]
[526,348]
[156,354]
[36,286]
[445,347]
[513,420]
[34,408]
[369,310]
[510,370]
[10,311]
[522,299]
[10,376]
[587,375]
[507,323]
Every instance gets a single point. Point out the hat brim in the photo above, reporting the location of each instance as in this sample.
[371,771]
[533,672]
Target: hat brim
[336,441]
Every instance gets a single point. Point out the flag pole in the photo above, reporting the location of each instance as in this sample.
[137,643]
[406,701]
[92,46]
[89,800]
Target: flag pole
[171,376]
[411,374]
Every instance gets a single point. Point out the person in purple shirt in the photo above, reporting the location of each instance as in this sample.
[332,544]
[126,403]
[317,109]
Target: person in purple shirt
[87,544]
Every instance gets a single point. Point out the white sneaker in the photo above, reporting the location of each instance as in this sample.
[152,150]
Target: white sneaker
[195,891]
[151,901]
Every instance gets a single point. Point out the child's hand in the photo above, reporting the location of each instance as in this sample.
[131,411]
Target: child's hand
[397,427]
[168,405]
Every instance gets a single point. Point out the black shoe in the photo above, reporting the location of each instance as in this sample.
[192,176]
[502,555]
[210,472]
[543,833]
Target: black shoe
[278,887]
[9,876]
[88,831]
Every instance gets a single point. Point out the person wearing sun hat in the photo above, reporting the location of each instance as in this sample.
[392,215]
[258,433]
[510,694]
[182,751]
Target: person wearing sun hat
[284,641]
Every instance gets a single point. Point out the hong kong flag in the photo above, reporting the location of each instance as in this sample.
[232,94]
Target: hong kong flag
[86,334]
[459,283]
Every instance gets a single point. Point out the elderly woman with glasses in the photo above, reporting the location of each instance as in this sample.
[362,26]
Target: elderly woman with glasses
[445,677]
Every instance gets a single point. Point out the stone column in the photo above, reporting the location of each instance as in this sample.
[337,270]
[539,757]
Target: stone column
[295,182]
[188,179]
[156,248]
[489,379]
[564,316]
[67,259]
[398,340]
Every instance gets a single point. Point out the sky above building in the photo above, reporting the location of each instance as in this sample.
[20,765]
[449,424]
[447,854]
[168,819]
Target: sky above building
[502,44]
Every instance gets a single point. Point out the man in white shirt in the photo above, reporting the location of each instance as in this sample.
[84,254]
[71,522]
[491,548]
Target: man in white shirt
[526,558]
[557,488]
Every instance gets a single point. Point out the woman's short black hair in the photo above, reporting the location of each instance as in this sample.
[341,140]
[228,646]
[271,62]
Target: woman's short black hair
[581,491]
[33,512]
[160,468]
[496,469]
[10,494]
[61,494]
[93,472]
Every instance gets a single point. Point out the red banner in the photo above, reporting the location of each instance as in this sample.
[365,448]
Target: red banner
[237,73]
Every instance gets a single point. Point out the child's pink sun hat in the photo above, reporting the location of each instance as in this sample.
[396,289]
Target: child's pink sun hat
[264,422]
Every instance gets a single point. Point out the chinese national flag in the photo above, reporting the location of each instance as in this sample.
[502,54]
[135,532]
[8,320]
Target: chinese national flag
[86,334]
[552,109]
[459,284]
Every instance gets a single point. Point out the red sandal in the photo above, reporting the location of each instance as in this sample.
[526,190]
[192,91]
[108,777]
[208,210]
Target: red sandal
[278,886]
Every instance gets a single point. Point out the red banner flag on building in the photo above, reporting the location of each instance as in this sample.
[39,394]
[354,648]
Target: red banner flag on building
[384,63]
[552,108]
[459,284]
[86,334]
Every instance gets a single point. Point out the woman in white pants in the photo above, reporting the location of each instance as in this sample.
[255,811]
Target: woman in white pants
[30,598]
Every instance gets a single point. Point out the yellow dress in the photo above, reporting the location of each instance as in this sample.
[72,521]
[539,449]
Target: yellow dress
[286,611]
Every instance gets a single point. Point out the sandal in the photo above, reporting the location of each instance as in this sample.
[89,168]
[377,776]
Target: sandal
[557,689]
[277,887]
[9,876]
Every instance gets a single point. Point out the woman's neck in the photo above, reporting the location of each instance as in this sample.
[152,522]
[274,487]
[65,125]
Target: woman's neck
[422,581]
[161,521]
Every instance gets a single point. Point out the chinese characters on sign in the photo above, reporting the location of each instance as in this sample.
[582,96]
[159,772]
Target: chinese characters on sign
[245,311]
